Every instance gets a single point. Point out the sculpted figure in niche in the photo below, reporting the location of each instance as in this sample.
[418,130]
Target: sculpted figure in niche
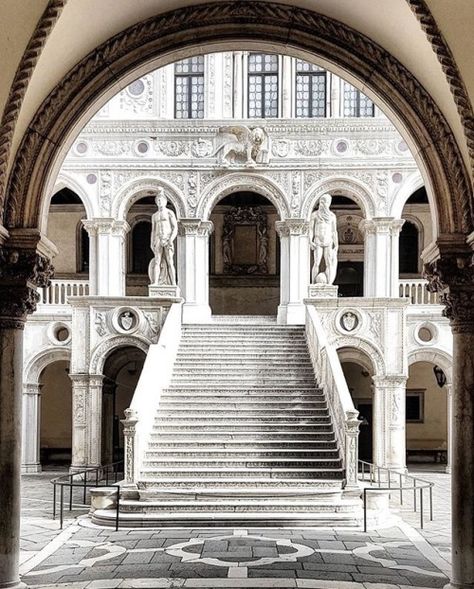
[324,242]
[164,228]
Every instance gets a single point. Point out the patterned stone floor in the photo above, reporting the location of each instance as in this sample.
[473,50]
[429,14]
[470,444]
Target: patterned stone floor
[86,557]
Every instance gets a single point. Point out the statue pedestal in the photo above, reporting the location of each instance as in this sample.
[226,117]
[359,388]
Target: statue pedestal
[322,291]
[163,291]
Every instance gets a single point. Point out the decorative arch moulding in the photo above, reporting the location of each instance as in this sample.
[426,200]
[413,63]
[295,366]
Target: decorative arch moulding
[297,31]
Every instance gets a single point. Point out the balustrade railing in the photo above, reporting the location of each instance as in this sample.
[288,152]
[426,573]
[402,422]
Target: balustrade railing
[416,290]
[344,415]
[58,291]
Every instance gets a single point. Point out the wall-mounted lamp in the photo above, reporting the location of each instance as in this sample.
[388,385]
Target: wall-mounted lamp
[440,376]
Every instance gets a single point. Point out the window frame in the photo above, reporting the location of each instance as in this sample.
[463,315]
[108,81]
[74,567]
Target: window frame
[189,102]
[349,87]
[263,75]
[312,74]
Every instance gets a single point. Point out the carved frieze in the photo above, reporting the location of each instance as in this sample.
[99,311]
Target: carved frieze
[249,216]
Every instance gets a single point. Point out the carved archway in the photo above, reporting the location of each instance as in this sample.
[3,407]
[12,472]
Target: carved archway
[409,186]
[236,182]
[349,187]
[298,32]
[103,350]
[140,187]
[35,365]
[434,356]
[364,349]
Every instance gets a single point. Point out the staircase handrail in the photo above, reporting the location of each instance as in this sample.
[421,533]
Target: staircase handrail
[154,378]
[344,415]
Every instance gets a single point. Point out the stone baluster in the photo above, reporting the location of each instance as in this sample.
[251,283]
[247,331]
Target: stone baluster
[352,450]
[193,268]
[30,449]
[450,271]
[294,248]
[131,450]
[24,266]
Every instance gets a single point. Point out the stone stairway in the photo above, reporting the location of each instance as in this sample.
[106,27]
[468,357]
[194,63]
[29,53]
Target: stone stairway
[242,435]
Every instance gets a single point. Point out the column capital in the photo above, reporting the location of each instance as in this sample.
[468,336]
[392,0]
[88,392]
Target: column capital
[289,227]
[105,226]
[390,380]
[449,269]
[195,227]
[388,225]
[22,270]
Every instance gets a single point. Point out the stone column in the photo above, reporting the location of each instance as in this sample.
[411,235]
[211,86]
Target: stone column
[381,256]
[86,420]
[287,86]
[23,267]
[389,435]
[238,85]
[193,269]
[450,270]
[107,273]
[131,450]
[294,269]
[30,449]
[449,394]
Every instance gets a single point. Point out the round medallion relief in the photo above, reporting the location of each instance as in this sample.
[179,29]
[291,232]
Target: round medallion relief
[125,320]
[349,321]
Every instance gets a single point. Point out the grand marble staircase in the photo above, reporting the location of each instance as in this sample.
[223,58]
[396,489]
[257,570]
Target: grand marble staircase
[243,434]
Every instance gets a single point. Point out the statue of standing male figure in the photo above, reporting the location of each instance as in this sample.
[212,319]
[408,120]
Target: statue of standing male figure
[324,242]
[164,229]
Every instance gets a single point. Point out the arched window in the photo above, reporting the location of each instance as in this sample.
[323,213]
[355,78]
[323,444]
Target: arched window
[141,254]
[409,254]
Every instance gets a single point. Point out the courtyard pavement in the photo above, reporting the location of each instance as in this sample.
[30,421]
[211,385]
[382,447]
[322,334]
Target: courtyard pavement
[83,556]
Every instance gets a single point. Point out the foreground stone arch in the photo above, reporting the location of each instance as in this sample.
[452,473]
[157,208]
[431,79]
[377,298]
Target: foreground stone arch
[44,358]
[362,349]
[299,32]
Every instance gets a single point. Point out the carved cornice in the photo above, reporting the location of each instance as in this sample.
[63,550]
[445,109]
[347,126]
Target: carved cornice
[450,69]
[211,23]
[21,272]
[387,225]
[105,226]
[20,84]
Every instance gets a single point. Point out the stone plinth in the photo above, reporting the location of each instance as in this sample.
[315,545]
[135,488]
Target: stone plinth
[322,291]
[163,291]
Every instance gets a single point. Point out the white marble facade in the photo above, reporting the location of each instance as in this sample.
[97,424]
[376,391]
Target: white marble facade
[135,145]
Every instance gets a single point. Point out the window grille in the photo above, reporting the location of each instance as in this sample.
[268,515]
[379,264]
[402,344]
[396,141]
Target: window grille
[262,85]
[189,88]
[310,90]
[357,104]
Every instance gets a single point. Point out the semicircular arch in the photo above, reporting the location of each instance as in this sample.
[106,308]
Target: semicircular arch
[434,356]
[344,186]
[365,350]
[411,184]
[104,349]
[35,365]
[218,26]
[236,182]
[146,186]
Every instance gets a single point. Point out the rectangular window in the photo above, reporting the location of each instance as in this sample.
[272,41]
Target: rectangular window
[415,405]
[310,90]
[262,86]
[189,88]
[356,104]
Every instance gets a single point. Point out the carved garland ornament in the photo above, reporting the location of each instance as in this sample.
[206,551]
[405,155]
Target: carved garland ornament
[158,34]
[20,84]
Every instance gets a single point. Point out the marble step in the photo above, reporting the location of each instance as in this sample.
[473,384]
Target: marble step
[318,491]
[243,484]
[248,371]
[216,445]
[218,404]
[248,382]
[234,395]
[106,517]
[322,433]
[248,463]
[239,413]
[206,473]
[241,453]
[242,506]
[204,328]
[242,427]
[220,363]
